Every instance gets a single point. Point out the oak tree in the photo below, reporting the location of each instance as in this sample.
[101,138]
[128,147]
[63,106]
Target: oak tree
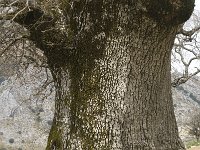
[110,62]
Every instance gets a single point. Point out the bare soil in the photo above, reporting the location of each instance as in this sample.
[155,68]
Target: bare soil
[195,148]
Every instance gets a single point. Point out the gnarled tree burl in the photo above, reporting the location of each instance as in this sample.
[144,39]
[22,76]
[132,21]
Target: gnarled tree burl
[110,60]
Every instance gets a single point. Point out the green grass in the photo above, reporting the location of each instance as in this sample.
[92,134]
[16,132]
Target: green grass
[192,143]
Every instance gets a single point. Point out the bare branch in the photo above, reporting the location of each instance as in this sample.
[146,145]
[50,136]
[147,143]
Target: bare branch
[188,33]
[11,44]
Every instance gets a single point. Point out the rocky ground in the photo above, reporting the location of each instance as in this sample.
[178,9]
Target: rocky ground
[186,103]
[25,120]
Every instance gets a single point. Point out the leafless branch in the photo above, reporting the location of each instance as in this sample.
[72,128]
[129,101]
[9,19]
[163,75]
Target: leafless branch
[11,43]
[188,33]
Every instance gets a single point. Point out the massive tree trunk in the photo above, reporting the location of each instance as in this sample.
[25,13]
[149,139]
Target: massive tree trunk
[111,68]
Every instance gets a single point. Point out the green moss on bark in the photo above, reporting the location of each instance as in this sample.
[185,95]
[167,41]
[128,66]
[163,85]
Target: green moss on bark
[55,138]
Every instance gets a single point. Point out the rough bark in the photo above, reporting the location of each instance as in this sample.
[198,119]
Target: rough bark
[149,111]
[111,68]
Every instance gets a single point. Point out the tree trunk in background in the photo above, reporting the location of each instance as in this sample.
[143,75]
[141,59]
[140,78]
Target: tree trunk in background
[112,74]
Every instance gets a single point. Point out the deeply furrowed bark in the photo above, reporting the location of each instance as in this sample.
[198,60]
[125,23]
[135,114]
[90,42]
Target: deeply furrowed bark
[112,74]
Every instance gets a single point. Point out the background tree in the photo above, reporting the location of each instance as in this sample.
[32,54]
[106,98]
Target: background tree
[194,125]
[186,50]
[110,62]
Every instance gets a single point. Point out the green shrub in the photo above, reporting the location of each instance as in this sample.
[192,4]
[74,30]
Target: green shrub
[192,143]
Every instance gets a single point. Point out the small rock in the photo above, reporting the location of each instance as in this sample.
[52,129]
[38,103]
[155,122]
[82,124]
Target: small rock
[41,110]
[50,122]
[2,79]
[38,119]
[11,140]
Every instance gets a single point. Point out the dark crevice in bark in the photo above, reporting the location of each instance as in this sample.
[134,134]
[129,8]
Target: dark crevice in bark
[56,44]
[169,12]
